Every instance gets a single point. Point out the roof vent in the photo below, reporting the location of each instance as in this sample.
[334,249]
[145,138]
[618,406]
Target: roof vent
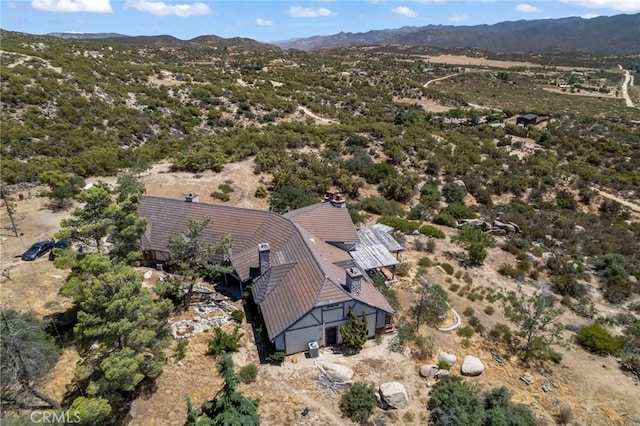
[191,197]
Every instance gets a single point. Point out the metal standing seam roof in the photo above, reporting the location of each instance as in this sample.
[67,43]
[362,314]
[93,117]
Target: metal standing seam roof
[374,235]
[305,271]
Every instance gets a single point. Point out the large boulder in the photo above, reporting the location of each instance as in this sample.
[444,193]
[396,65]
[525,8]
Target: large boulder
[394,394]
[447,357]
[428,370]
[471,366]
[336,372]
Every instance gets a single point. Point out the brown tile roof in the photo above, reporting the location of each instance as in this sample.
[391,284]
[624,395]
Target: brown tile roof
[305,271]
[326,222]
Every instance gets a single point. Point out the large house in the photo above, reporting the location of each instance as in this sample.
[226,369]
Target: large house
[298,265]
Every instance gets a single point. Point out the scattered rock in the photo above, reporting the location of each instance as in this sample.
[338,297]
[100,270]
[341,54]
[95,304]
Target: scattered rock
[471,366]
[461,183]
[336,372]
[380,402]
[394,394]
[428,370]
[632,279]
[148,275]
[447,357]
[578,229]
[441,373]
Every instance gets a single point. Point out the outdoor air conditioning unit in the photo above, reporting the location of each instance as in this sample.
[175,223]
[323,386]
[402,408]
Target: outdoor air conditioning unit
[314,350]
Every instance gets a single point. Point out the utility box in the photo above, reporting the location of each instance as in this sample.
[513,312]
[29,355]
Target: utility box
[314,350]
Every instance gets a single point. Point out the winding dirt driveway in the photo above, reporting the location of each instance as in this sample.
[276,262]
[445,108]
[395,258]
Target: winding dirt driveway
[439,78]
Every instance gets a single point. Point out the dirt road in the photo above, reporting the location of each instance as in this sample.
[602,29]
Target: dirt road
[625,85]
[438,79]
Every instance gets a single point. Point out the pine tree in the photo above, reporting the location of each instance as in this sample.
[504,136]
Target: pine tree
[354,332]
[229,407]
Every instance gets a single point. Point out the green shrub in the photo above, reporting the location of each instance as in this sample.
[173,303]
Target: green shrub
[444,365]
[431,246]
[224,342]
[466,331]
[358,402]
[447,268]
[399,224]
[424,347]
[454,287]
[237,316]
[248,373]
[444,219]
[380,206]
[431,231]
[223,187]
[489,310]
[631,363]
[181,348]
[276,358]
[403,268]
[425,262]
[458,211]
[597,340]
[565,416]
[261,192]
[468,311]
[222,196]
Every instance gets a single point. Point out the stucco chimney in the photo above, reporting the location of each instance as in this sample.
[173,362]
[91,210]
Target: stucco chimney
[264,257]
[191,197]
[354,281]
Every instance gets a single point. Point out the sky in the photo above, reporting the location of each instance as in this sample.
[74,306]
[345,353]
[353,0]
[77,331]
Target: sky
[268,20]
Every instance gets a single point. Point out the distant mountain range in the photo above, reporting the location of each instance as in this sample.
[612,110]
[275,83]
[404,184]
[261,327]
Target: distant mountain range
[614,35]
[618,34]
[169,40]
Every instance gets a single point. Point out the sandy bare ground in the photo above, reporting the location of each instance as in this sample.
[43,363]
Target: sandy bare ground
[316,117]
[466,60]
[593,387]
[427,104]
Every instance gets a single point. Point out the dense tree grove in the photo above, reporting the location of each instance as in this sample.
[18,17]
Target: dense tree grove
[455,401]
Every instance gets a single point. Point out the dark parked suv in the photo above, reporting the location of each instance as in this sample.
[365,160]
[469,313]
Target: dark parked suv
[57,246]
[37,250]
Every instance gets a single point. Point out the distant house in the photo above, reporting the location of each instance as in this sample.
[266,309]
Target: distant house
[524,120]
[298,265]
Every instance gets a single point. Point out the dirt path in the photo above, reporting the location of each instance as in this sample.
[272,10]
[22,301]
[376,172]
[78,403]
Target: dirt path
[24,58]
[633,206]
[625,84]
[319,120]
[438,79]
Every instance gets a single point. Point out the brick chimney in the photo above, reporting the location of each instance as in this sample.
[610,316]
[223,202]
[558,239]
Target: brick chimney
[191,197]
[264,257]
[354,281]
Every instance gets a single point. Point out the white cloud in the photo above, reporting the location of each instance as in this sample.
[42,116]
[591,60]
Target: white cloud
[620,5]
[97,6]
[160,8]
[261,21]
[589,15]
[309,12]
[458,18]
[404,11]
[527,8]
